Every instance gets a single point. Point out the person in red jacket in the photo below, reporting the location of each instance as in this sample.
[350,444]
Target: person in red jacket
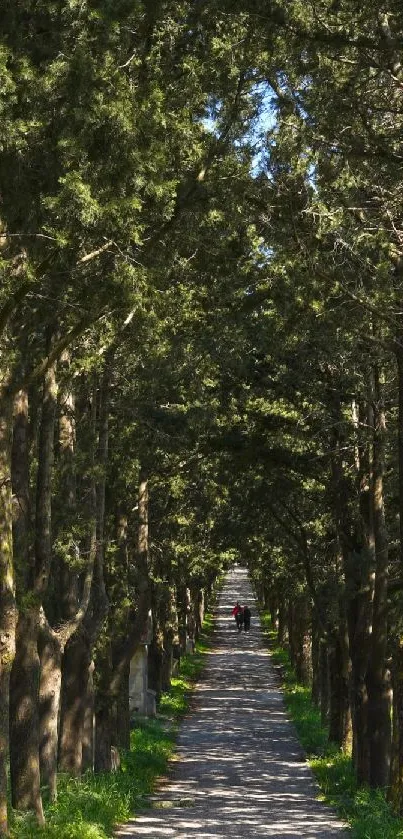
[238,615]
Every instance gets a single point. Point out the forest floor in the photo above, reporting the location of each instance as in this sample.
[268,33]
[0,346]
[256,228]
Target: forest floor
[239,769]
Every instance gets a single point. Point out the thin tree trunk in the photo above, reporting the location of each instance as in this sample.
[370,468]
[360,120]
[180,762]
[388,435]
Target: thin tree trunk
[156,659]
[24,770]
[24,755]
[302,640]
[396,776]
[123,712]
[103,710]
[324,682]
[103,738]
[282,622]
[8,609]
[292,641]
[77,658]
[315,660]
[378,680]
[125,648]
[88,735]
[50,652]
[75,672]
[357,543]
[339,708]
[171,639]
[24,736]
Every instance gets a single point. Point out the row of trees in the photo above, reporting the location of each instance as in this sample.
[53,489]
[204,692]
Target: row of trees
[109,230]
[334,500]
[200,320]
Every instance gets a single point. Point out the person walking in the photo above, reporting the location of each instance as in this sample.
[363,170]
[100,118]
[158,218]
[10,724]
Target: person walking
[238,615]
[246,618]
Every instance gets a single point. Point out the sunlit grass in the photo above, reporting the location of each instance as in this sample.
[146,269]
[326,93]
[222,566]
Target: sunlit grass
[365,810]
[90,808]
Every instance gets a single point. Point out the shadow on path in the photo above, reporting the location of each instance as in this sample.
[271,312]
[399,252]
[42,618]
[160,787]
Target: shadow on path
[240,770]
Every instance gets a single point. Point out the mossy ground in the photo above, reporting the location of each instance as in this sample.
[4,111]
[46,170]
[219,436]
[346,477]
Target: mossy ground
[90,808]
[367,811]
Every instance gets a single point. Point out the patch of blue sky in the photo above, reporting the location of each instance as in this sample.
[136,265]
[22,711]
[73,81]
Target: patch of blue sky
[261,123]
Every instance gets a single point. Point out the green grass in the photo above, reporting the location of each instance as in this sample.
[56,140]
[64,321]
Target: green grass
[91,807]
[366,811]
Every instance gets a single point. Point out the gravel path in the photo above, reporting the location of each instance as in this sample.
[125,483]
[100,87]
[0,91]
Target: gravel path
[240,770]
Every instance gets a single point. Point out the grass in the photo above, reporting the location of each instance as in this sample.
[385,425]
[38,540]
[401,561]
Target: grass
[365,810]
[91,807]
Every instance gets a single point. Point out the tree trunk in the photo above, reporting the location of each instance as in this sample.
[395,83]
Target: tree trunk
[24,722]
[182,605]
[24,755]
[81,627]
[339,707]
[24,767]
[292,640]
[324,682]
[357,543]
[123,712]
[103,739]
[156,659]
[8,609]
[114,660]
[302,640]
[23,555]
[75,674]
[396,776]
[282,622]
[197,601]
[272,601]
[50,652]
[398,346]
[378,678]
[171,639]
[88,736]
[316,638]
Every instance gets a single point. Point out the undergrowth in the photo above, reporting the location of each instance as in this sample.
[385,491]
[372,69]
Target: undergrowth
[91,807]
[365,810]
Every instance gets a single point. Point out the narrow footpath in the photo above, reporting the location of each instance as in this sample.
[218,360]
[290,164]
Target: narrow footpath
[240,771]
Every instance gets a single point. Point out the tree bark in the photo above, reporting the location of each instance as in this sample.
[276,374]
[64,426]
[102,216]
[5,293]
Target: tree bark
[171,639]
[156,659]
[50,652]
[324,682]
[77,658]
[357,542]
[75,673]
[302,640]
[8,608]
[88,736]
[103,738]
[24,770]
[123,712]
[316,639]
[282,622]
[24,754]
[396,776]
[378,678]
[339,705]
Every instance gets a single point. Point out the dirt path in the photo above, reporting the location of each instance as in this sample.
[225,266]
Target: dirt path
[240,770]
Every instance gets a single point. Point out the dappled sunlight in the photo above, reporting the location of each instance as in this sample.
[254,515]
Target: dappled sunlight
[239,767]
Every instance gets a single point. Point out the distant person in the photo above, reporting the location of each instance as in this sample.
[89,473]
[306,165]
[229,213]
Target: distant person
[238,615]
[246,618]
